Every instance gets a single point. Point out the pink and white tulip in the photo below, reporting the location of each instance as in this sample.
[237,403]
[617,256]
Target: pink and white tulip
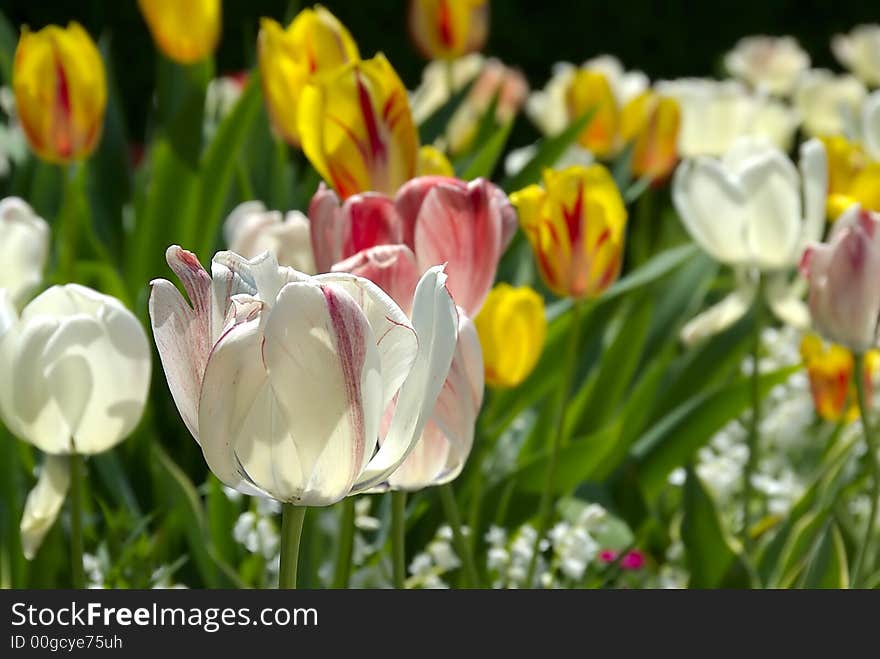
[844,277]
[442,220]
[284,379]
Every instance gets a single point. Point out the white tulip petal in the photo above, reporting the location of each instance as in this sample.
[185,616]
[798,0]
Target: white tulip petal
[24,248]
[712,208]
[785,301]
[397,341]
[774,211]
[8,317]
[44,503]
[814,174]
[238,220]
[871,125]
[718,318]
[435,321]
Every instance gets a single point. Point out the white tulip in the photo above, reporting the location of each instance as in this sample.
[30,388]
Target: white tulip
[859,51]
[74,371]
[24,248]
[755,211]
[433,92]
[251,230]
[771,64]
[871,125]
[283,378]
[715,114]
[44,503]
[829,103]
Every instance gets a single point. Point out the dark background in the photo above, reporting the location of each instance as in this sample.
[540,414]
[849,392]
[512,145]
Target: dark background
[664,39]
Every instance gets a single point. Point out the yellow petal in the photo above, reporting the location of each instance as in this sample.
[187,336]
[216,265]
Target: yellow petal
[512,327]
[652,123]
[186,31]
[446,29]
[60,91]
[589,91]
[357,130]
[432,162]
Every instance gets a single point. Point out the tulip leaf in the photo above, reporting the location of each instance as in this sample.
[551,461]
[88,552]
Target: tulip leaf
[181,90]
[549,151]
[484,160]
[218,167]
[8,43]
[713,557]
[655,268]
[828,565]
[14,567]
[674,439]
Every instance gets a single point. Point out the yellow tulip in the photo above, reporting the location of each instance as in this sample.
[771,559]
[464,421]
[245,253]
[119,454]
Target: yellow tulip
[446,29]
[590,91]
[576,224]
[829,367]
[357,130]
[512,327]
[651,122]
[314,42]
[852,177]
[60,91]
[186,31]
[433,162]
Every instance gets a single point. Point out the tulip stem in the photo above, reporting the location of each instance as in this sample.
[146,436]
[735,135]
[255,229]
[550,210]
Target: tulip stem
[291,530]
[398,538]
[69,229]
[545,508]
[871,441]
[346,543]
[462,546]
[755,420]
[76,523]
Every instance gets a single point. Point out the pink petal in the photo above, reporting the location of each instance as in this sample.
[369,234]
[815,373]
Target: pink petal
[370,220]
[325,216]
[410,197]
[391,267]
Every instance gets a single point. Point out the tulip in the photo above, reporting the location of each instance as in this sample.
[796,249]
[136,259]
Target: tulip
[446,29]
[771,64]
[716,114]
[439,456]
[852,177]
[652,122]
[24,248]
[315,42]
[250,230]
[830,367]
[843,275]
[746,211]
[60,92]
[442,220]
[438,76]
[871,125]
[576,224]
[185,31]
[357,130]
[859,51]
[827,102]
[512,327]
[283,378]
[433,162]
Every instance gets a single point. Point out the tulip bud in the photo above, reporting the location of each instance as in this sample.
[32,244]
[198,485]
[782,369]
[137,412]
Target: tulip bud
[186,31]
[769,64]
[859,51]
[446,29]
[60,92]
[24,247]
[576,225]
[250,230]
[829,367]
[844,277]
[357,130]
[652,123]
[313,43]
[512,327]
[74,371]
[590,91]
[286,380]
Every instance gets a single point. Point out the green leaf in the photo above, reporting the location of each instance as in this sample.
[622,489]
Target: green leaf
[8,43]
[112,473]
[828,567]
[713,557]
[673,440]
[218,167]
[549,151]
[180,90]
[657,267]
[484,160]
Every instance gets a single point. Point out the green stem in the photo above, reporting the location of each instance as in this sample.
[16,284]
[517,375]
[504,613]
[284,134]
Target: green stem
[346,543]
[754,421]
[291,530]
[871,441]
[398,538]
[76,523]
[69,230]
[545,508]
[450,77]
[462,546]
